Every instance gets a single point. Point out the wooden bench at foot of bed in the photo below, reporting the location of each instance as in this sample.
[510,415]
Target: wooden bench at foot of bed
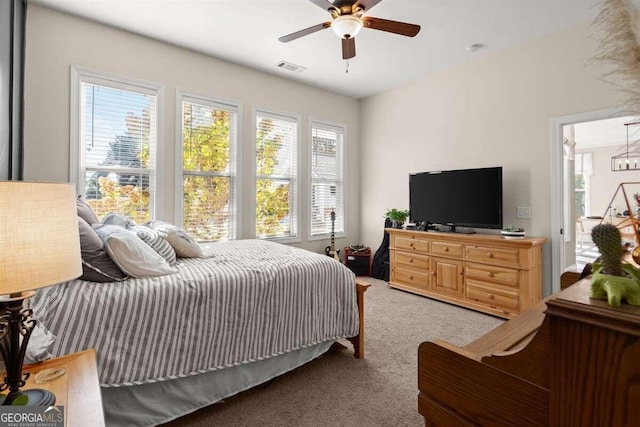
[358,340]
[570,361]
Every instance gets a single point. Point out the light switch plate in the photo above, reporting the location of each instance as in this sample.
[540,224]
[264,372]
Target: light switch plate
[523,212]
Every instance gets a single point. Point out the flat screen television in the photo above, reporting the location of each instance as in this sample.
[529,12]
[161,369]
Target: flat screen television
[465,197]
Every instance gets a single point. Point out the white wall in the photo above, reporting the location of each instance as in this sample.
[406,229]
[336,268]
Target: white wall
[55,41]
[494,111]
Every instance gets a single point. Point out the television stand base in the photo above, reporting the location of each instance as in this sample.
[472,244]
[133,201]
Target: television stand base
[452,229]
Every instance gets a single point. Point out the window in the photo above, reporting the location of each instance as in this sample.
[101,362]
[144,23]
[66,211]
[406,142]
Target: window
[583,170]
[276,141]
[208,163]
[327,178]
[115,139]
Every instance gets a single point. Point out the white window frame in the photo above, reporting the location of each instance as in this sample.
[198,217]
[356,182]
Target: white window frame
[342,152]
[235,173]
[86,75]
[295,198]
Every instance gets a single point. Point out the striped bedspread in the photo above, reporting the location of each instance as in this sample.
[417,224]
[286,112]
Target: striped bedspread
[247,300]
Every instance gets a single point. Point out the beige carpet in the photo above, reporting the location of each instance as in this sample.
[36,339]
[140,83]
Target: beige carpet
[339,390]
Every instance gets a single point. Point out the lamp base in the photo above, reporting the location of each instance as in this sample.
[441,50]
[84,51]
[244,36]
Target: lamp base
[33,397]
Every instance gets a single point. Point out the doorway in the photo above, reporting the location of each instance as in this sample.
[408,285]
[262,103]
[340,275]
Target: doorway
[583,183]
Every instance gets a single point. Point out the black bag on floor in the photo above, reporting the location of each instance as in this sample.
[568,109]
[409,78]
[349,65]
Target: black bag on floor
[379,266]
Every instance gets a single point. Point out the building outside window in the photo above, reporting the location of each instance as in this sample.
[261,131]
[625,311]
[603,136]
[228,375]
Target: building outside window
[327,179]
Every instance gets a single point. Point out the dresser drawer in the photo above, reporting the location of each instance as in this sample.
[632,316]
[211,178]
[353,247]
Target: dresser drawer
[410,277]
[492,274]
[492,255]
[447,249]
[412,260]
[494,296]
[411,243]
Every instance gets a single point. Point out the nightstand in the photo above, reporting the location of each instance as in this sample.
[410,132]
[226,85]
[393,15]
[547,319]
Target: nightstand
[358,261]
[78,390]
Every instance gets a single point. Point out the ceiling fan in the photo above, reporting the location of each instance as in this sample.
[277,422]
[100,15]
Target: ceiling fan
[348,20]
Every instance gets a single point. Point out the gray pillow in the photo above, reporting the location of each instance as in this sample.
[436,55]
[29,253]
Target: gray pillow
[157,242]
[96,264]
[118,219]
[131,254]
[86,212]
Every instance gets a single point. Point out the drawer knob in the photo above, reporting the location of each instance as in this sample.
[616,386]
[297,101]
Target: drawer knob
[410,260]
[491,275]
[489,255]
[490,296]
[410,277]
[446,249]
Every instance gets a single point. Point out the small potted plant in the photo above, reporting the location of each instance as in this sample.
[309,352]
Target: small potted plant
[397,217]
[613,279]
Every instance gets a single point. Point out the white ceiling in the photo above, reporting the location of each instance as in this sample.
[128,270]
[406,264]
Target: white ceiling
[607,132]
[246,32]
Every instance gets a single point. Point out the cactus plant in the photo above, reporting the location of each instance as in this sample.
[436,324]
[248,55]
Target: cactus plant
[613,280]
[609,242]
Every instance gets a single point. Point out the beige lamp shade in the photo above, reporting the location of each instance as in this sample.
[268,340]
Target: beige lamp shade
[39,239]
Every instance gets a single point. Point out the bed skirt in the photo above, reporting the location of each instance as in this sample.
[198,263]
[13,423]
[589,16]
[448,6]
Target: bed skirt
[160,402]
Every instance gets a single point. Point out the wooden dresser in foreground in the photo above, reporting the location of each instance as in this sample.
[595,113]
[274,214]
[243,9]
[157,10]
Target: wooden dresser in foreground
[483,272]
[570,361]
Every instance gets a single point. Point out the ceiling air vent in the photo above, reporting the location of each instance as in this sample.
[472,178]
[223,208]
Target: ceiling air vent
[291,67]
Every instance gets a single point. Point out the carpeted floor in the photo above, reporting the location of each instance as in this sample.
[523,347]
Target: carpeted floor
[339,390]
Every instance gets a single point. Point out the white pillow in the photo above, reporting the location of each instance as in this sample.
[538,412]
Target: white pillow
[184,245]
[131,254]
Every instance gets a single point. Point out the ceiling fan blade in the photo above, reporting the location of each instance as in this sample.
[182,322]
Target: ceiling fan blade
[364,5]
[396,27]
[306,31]
[348,48]
[324,4]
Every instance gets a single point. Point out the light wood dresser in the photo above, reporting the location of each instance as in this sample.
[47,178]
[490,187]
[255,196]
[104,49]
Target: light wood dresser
[78,390]
[483,272]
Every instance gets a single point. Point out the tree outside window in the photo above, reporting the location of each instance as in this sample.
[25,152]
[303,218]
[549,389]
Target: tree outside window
[276,141]
[117,142]
[208,169]
[580,195]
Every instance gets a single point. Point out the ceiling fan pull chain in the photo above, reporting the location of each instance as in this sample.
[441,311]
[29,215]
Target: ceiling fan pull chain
[346,71]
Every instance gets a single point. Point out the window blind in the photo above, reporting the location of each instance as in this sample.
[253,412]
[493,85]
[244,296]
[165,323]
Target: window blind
[327,180]
[118,138]
[276,142]
[209,138]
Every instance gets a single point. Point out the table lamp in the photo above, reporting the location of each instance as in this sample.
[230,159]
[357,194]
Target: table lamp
[39,247]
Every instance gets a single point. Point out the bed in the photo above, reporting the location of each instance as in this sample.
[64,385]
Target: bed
[245,312]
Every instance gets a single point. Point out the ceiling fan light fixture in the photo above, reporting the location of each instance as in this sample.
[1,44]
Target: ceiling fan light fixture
[346,26]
